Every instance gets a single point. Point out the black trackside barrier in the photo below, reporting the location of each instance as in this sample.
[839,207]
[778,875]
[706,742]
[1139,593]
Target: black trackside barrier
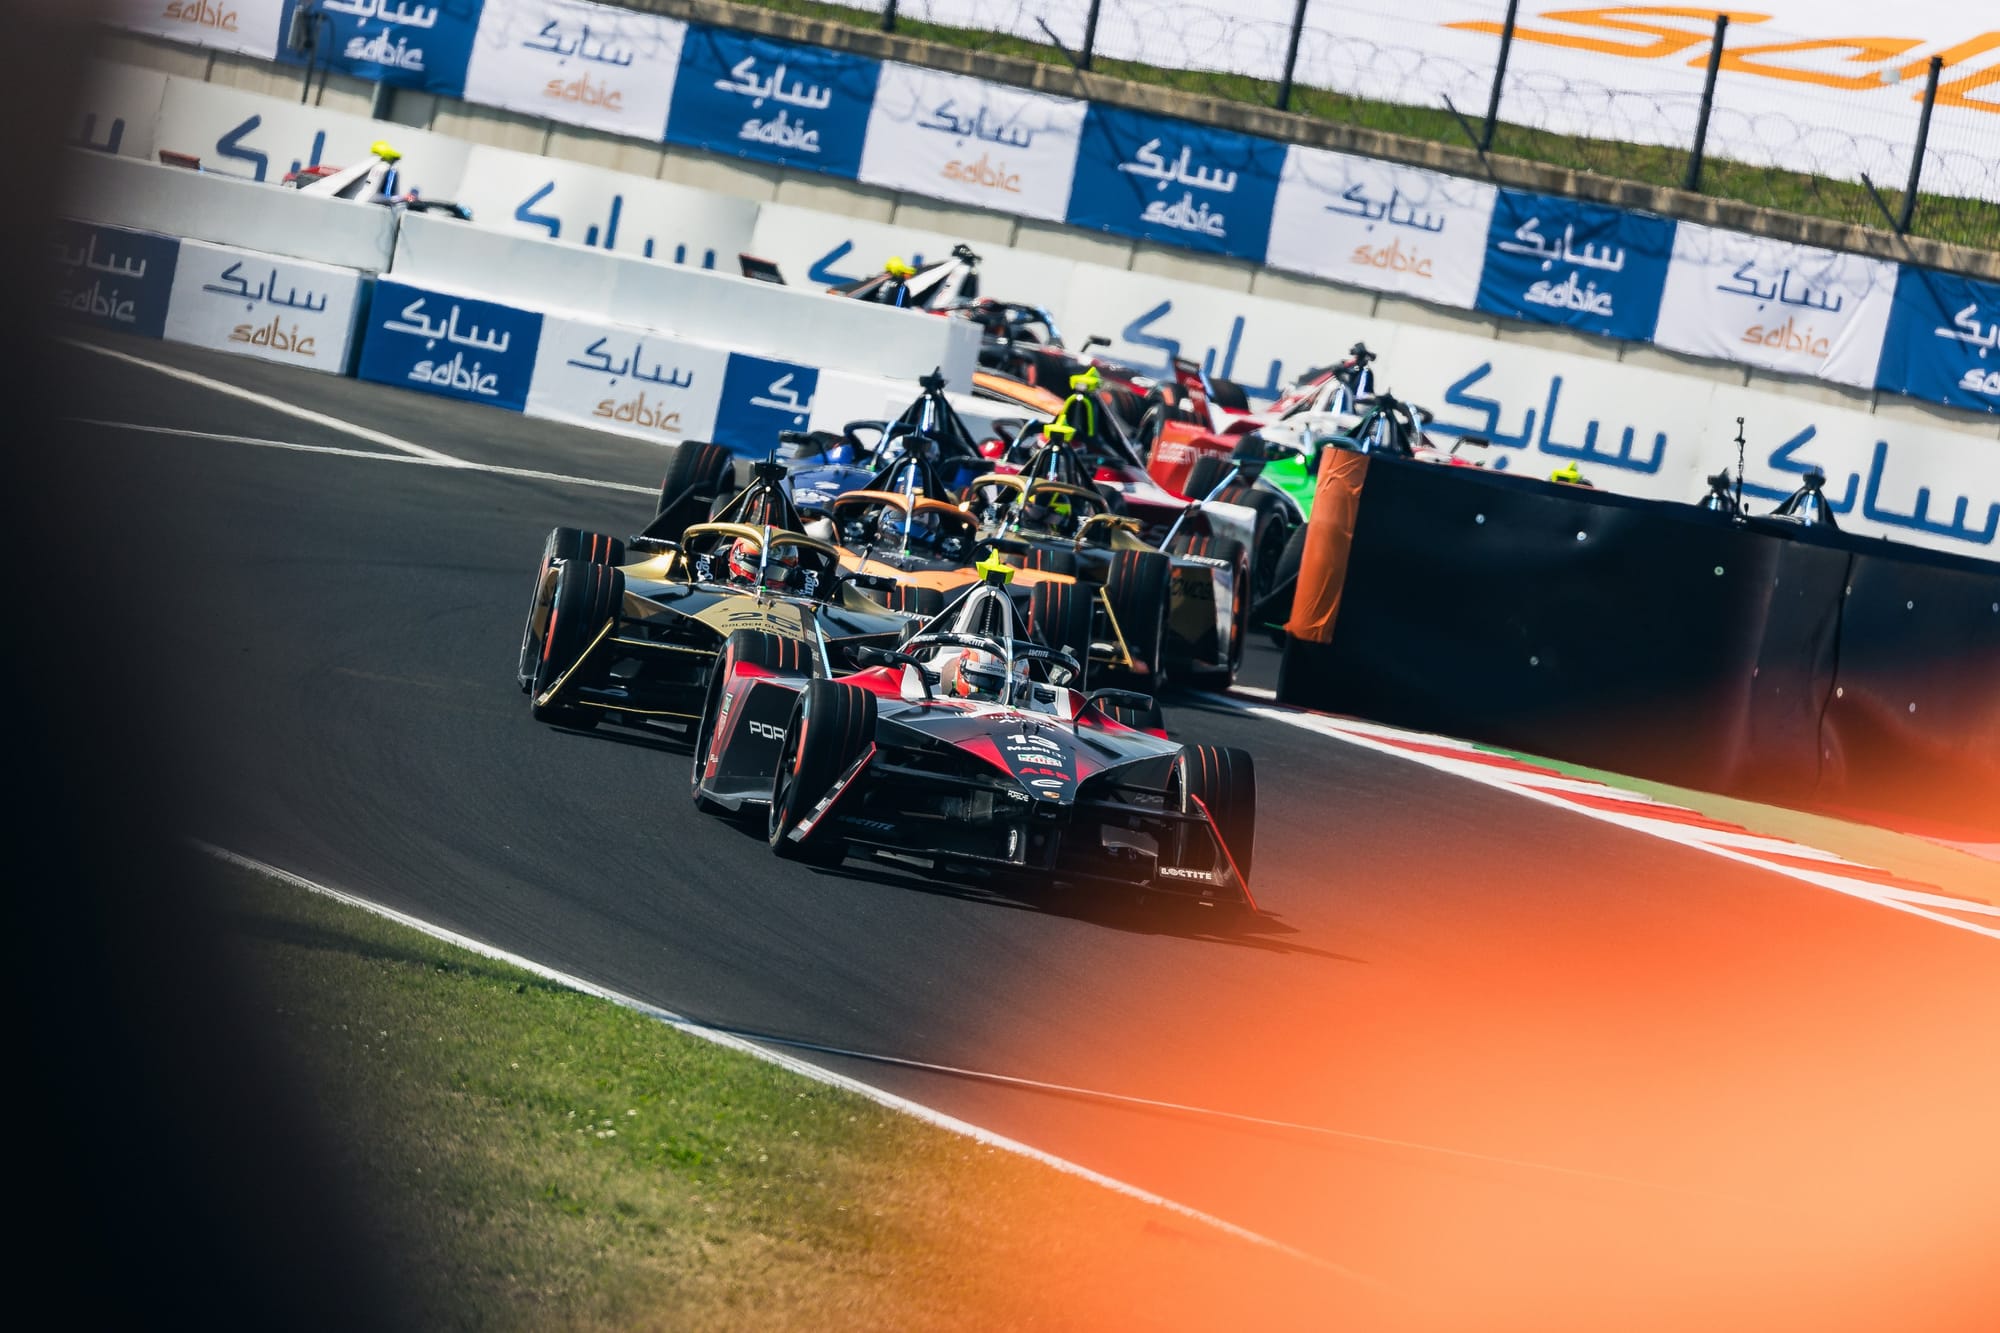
[1666,642]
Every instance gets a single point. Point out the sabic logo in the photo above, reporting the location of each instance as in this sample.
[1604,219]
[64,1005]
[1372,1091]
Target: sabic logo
[201,14]
[980,173]
[584,93]
[276,338]
[639,412]
[452,374]
[92,301]
[1392,257]
[1786,337]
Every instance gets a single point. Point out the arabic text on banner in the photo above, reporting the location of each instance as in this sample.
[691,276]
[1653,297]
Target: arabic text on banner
[251,27]
[402,42]
[583,64]
[448,344]
[628,381]
[1943,340]
[972,142]
[117,110]
[282,310]
[609,210]
[1769,303]
[1166,180]
[756,97]
[1380,225]
[760,397]
[1584,266]
[112,277]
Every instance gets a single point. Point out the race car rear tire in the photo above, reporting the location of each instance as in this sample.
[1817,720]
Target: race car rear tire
[1225,780]
[831,725]
[696,475]
[1136,587]
[758,648]
[1059,615]
[1049,559]
[1274,608]
[1221,675]
[562,544]
[587,595]
[911,600]
[1202,478]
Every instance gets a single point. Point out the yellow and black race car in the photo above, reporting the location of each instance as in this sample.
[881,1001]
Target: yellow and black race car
[633,640]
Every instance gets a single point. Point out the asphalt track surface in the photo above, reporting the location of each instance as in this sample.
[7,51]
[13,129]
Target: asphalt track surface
[1517,1068]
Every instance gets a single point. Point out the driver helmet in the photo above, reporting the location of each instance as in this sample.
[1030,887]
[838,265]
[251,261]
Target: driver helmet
[921,528]
[778,569]
[976,674]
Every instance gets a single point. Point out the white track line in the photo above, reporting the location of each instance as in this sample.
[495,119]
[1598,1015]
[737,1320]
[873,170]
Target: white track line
[797,1066]
[293,446]
[278,405]
[1556,791]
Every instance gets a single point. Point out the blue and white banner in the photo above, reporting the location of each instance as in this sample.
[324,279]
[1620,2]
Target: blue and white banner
[1381,225]
[610,210]
[1769,303]
[582,64]
[400,42]
[1584,266]
[112,277]
[972,142]
[1943,340]
[117,110]
[1170,181]
[796,106]
[628,381]
[761,397]
[449,344]
[282,310]
[252,27]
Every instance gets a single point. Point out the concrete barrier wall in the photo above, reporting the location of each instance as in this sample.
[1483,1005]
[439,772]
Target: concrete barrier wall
[722,308]
[174,201]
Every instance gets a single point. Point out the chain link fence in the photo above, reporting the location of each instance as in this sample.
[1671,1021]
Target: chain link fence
[1805,121]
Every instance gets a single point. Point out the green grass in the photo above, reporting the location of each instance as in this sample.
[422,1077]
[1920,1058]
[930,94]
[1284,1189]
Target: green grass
[539,1159]
[1962,221]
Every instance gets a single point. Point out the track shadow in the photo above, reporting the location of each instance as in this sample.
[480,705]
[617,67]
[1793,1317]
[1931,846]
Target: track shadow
[664,742]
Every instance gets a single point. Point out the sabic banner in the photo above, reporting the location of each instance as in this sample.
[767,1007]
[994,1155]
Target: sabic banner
[1169,181]
[629,381]
[1768,303]
[1381,225]
[582,64]
[260,305]
[400,42]
[252,27]
[796,106]
[445,343]
[1584,266]
[1942,339]
[972,142]
[761,397]
[112,277]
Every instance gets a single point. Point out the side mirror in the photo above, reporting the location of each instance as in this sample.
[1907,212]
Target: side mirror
[1122,698]
[1095,340]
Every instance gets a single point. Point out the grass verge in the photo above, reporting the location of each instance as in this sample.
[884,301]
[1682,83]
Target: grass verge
[540,1159]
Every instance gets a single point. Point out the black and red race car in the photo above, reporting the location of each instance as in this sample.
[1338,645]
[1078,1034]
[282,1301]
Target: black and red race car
[966,751]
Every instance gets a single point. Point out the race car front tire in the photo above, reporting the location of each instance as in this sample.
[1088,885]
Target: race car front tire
[832,724]
[587,596]
[1059,615]
[912,600]
[562,544]
[697,474]
[1137,589]
[757,648]
[1225,780]
[1049,560]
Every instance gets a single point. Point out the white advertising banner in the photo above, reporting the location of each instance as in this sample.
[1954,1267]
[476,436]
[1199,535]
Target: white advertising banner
[972,142]
[249,26]
[628,381]
[610,210]
[237,133]
[582,64]
[1382,225]
[117,109]
[1768,303]
[283,310]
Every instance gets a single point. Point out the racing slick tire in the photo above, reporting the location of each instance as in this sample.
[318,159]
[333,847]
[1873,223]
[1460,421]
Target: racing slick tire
[910,600]
[758,648]
[1221,675]
[1274,607]
[587,595]
[1137,589]
[1202,478]
[831,725]
[1224,779]
[1271,531]
[1050,560]
[697,474]
[1059,615]
[562,544]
